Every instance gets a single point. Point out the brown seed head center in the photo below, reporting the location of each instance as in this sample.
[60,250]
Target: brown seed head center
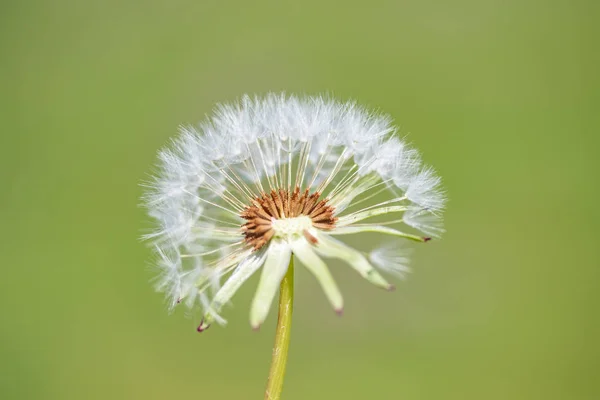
[280,205]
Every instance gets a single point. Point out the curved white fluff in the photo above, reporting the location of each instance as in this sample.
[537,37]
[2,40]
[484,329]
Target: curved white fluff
[391,258]
[210,172]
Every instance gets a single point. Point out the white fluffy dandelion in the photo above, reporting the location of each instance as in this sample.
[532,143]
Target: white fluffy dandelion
[267,178]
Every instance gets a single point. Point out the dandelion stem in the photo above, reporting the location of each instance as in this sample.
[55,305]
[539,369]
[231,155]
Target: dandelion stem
[282,335]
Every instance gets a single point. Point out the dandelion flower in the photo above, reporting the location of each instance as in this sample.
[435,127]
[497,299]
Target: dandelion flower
[270,177]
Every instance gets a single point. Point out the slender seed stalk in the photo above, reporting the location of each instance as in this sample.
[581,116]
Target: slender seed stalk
[282,335]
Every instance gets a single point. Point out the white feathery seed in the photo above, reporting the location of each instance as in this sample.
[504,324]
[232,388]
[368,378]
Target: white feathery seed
[392,258]
[268,177]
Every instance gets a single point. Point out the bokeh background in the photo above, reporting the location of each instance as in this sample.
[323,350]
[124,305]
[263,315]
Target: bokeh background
[501,97]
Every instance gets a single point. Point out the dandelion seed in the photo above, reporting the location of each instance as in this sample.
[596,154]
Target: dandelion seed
[268,178]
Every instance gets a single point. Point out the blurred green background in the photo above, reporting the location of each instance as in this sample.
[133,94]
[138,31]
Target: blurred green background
[501,97]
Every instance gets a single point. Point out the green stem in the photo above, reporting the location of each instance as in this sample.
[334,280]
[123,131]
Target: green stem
[282,335]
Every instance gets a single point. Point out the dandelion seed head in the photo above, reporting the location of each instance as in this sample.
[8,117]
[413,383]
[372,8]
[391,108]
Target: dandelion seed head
[269,177]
